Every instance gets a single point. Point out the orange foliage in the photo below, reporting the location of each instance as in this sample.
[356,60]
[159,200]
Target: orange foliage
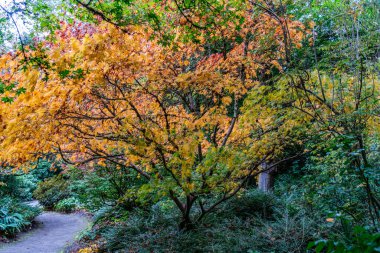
[121,97]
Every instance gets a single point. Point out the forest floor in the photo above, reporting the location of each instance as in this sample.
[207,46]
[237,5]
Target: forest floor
[53,232]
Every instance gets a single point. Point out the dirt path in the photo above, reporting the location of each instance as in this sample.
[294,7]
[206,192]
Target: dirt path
[53,233]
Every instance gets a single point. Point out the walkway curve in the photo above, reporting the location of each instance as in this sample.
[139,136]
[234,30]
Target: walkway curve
[54,232]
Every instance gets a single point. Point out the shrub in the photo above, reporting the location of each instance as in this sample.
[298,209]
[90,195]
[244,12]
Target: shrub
[254,221]
[10,223]
[91,190]
[362,240]
[67,205]
[15,216]
[105,186]
[18,186]
[51,191]
[22,185]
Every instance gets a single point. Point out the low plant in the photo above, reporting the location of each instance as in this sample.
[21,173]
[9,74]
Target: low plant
[104,186]
[363,240]
[252,222]
[15,216]
[67,205]
[21,185]
[11,223]
[52,191]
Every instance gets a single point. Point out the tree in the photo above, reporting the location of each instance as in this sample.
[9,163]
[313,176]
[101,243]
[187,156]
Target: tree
[23,25]
[332,95]
[169,112]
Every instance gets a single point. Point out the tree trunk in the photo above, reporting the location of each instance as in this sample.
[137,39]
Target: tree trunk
[186,224]
[266,180]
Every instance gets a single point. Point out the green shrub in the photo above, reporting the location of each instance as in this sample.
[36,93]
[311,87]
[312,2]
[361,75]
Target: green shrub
[18,186]
[67,205]
[363,240]
[21,185]
[254,221]
[52,190]
[105,186]
[11,223]
[15,216]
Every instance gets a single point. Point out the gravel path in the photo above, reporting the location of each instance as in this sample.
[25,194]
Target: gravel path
[53,233]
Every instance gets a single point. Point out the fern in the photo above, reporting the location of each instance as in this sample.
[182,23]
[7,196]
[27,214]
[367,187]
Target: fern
[11,223]
[15,216]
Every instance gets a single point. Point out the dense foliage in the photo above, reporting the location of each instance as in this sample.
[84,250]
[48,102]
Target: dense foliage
[164,116]
[14,216]
[16,191]
[291,219]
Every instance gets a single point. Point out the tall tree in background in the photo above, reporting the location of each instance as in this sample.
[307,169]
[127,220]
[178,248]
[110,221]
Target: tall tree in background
[334,87]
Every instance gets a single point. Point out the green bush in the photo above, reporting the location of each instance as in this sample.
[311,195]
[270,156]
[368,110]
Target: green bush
[21,185]
[15,216]
[283,221]
[10,223]
[52,190]
[363,240]
[254,221]
[67,205]
[105,186]
[18,186]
